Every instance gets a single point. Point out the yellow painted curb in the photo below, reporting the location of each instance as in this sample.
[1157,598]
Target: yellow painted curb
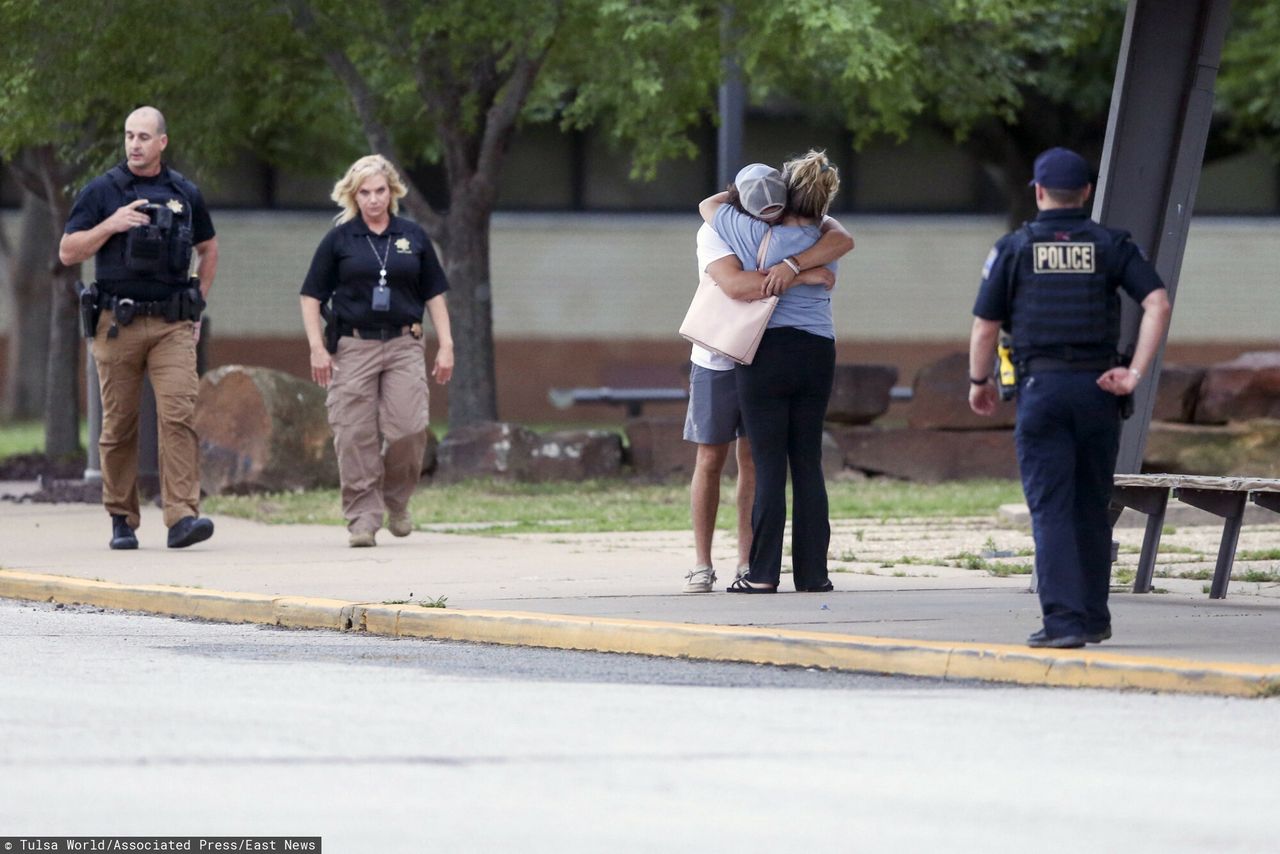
[940,660]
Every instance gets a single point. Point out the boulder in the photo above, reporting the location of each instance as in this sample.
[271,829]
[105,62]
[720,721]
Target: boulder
[1246,449]
[940,399]
[575,455]
[1245,388]
[657,446]
[929,455]
[860,393]
[1177,394]
[262,430]
[488,449]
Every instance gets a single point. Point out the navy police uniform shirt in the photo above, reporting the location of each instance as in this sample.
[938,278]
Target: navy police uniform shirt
[346,264]
[1054,282]
[102,196]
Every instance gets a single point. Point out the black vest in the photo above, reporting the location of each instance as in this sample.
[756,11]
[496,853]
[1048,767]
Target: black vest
[1065,303]
[167,253]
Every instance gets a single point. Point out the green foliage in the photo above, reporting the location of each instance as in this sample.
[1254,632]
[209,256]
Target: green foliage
[604,505]
[1248,86]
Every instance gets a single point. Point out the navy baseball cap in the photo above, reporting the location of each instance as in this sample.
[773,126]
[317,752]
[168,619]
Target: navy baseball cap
[1061,169]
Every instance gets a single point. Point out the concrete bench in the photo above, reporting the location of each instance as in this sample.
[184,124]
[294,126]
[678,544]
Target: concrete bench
[1225,497]
[633,399]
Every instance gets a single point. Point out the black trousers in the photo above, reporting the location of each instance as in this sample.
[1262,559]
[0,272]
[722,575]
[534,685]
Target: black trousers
[784,395]
[1068,435]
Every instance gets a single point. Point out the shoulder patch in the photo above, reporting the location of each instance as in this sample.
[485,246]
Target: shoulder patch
[986,265]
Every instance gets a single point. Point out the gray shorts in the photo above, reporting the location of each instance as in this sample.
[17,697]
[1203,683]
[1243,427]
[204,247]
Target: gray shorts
[714,417]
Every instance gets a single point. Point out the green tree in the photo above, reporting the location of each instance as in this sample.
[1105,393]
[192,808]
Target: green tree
[451,81]
[1248,87]
[69,74]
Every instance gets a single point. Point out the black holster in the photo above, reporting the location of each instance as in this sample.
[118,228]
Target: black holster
[332,329]
[89,308]
[187,304]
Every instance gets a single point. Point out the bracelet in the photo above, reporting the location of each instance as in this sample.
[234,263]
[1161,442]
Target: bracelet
[795,268]
[982,381]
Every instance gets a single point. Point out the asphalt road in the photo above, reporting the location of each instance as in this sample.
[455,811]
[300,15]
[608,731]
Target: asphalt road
[126,724]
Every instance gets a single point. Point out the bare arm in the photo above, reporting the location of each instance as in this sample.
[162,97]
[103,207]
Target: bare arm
[749,284]
[708,206]
[835,243]
[80,246]
[206,264]
[321,362]
[442,370]
[1155,320]
[982,349]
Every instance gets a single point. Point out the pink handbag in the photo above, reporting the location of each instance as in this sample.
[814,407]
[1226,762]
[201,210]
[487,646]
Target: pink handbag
[728,326]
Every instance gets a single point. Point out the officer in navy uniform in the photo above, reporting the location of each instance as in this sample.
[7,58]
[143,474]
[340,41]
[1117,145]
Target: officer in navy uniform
[1054,285]
[142,221]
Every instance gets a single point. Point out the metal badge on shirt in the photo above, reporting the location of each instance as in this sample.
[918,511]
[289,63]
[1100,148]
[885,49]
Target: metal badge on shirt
[1064,258]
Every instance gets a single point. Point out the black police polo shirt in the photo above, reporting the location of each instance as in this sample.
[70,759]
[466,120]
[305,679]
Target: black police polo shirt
[1129,269]
[346,264]
[101,197]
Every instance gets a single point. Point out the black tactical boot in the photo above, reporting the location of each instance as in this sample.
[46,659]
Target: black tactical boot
[189,531]
[122,536]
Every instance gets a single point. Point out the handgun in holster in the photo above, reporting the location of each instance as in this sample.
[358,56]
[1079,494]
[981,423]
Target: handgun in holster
[1007,374]
[331,330]
[1126,401]
[89,308]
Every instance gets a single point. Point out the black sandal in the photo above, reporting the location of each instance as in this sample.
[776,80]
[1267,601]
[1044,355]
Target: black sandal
[740,585]
[824,587]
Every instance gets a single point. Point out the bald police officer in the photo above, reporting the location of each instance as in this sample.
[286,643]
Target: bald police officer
[142,221]
[1054,285]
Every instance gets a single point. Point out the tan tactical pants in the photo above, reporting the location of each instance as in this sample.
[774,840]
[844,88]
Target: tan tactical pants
[378,411]
[167,353]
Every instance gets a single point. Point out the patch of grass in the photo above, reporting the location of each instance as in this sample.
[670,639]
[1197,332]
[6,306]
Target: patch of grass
[1262,576]
[1259,554]
[612,505]
[846,556]
[1004,570]
[1168,529]
[438,602]
[27,437]
[969,560]
[1123,576]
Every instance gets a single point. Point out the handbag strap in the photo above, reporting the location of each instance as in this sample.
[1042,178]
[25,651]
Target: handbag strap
[763,250]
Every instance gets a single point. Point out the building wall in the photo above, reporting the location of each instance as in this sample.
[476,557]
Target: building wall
[595,299]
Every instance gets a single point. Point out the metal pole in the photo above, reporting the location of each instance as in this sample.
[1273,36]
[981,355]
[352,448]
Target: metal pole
[1161,107]
[732,104]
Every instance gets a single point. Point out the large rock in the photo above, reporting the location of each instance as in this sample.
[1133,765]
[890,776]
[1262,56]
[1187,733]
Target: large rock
[575,455]
[929,455]
[262,430]
[658,448]
[860,393]
[1247,449]
[1177,394]
[489,449]
[1248,387]
[940,399]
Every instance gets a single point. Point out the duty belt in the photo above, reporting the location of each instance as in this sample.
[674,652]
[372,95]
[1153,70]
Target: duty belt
[1045,363]
[382,333]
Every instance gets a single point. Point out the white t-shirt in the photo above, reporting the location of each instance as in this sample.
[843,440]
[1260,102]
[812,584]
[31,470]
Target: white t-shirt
[711,247]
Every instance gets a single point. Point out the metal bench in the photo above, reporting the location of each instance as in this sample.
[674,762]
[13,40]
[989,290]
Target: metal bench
[633,399]
[1225,497]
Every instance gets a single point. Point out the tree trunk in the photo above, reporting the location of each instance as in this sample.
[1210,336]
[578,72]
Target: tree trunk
[30,281]
[473,392]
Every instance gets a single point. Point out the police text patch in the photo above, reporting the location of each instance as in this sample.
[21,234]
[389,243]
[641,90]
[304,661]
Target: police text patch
[1063,257]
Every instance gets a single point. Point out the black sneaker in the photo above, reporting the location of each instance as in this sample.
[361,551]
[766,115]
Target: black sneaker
[122,536]
[189,531]
[1043,640]
[1098,637]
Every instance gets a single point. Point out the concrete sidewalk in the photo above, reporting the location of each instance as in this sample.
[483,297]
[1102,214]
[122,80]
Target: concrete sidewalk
[900,605]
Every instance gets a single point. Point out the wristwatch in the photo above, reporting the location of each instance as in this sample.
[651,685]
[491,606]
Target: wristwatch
[982,381]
